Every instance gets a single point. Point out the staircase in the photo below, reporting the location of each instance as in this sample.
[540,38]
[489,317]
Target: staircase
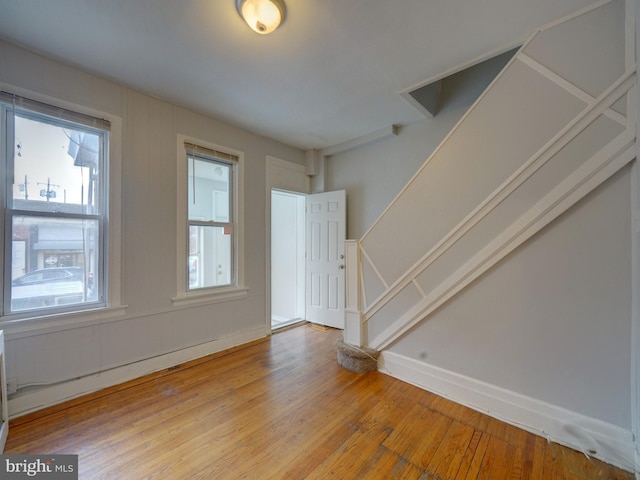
[555,125]
[539,139]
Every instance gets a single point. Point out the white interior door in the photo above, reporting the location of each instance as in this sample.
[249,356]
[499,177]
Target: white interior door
[326,234]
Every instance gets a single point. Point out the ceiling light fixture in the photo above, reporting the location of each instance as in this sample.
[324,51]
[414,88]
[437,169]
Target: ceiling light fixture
[263,16]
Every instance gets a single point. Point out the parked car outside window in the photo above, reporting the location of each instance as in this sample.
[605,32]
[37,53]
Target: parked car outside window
[47,287]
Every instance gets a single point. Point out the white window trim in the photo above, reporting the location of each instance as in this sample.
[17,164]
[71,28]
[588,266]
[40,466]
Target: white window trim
[183,296]
[32,323]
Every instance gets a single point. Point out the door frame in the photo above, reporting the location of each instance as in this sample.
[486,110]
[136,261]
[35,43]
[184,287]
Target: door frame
[286,176]
[292,258]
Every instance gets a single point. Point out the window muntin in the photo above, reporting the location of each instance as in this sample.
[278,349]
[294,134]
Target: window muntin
[210,218]
[55,209]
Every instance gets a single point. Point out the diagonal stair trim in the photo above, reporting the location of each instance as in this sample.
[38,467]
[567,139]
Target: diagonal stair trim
[576,186]
[569,87]
[601,105]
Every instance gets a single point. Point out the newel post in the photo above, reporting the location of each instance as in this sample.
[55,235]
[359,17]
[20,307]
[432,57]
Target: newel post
[352,352]
[353,327]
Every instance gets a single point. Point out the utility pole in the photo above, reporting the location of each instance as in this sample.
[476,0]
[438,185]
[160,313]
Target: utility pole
[23,188]
[48,193]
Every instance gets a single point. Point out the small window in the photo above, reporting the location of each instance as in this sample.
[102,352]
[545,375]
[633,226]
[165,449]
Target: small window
[211,218]
[55,204]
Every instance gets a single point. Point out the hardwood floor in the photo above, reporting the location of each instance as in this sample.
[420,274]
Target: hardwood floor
[283,409]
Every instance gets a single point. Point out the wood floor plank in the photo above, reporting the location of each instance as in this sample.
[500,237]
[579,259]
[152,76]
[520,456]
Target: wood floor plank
[391,405]
[389,466]
[418,435]
[467,458]
[348,460]
[303,427]
[498,460]
[369,431]
[477,461]
[533,457]
[447,459]
[283,408]
[432,434]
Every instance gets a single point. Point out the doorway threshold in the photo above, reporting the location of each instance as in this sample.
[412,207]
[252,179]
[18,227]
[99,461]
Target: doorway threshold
[278,324]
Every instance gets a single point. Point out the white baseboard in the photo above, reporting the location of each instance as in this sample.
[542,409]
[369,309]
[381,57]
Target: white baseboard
[28,402]
[602,440]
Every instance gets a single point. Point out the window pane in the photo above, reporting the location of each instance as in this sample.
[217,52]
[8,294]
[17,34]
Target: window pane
[56,167]
[209,256]
[209,191]
[54,262]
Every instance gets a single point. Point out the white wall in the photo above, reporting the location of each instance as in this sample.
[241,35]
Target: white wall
[151,325]
[374,174]
[550,321]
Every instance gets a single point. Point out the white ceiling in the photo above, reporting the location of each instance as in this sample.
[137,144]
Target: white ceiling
[331,73]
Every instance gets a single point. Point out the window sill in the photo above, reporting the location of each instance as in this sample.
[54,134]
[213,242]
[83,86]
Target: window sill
[26,326]
[209,297]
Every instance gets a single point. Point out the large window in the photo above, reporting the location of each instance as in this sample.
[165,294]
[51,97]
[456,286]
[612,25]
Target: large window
[210,218]
[54,207]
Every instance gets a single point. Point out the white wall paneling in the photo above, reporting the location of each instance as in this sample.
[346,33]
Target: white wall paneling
[4,406]
[410,204]
[50,354]
[520,126]
[498,282]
